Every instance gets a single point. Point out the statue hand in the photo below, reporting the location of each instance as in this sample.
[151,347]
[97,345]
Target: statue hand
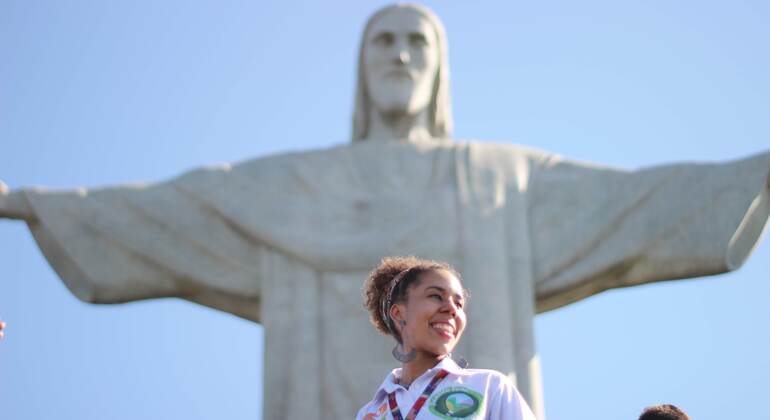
[13,205]
[3,199]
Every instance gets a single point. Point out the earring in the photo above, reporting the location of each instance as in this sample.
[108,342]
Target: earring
[462,363]
[398,354]
[403,357]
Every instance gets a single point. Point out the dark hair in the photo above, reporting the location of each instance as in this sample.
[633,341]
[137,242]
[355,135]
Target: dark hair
[663,412]
[378,296]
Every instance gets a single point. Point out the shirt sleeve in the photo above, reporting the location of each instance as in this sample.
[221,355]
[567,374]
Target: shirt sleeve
[506,402]
[593,228]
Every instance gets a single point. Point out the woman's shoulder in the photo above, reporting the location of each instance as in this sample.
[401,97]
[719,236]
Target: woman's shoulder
[481,380]
[470,392]
[372,410]
[485,384]
[377,407]
[487,375]
[502,399]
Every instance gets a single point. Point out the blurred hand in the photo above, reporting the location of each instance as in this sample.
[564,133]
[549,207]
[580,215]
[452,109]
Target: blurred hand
[2,327]
[3,198]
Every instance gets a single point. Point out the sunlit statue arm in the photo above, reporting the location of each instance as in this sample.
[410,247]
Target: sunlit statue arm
[596,228]
[127,243]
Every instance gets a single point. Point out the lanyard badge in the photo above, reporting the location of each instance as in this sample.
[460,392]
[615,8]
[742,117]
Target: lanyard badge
[396,412]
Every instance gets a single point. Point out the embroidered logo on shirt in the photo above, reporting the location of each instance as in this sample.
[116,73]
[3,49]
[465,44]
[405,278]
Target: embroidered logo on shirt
[456,403]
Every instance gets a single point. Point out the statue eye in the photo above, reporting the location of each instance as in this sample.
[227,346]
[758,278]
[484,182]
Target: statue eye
[417,40]
[384,39]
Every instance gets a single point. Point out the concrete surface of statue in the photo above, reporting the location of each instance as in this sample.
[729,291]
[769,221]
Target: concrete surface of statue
[287,240]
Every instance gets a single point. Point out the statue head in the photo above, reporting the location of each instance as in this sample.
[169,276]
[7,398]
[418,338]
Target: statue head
[403,68]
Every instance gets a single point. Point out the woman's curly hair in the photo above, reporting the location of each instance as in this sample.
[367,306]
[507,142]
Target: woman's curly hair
[377,286]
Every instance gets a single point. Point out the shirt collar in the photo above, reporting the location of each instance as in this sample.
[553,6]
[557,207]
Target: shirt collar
[390,383]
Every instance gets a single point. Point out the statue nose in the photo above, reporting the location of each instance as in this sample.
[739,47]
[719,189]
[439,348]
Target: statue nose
[403,57]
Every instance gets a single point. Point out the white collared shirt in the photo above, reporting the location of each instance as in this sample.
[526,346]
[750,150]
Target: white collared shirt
[463,394]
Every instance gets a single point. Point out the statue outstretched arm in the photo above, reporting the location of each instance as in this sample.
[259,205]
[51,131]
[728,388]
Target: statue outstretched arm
[596,228]
[170,239]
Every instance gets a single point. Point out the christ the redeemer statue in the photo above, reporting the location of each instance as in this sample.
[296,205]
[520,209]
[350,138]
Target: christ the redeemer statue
[287,240]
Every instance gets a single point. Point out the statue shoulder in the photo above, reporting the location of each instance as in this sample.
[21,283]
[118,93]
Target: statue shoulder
[506,152]
[287,159]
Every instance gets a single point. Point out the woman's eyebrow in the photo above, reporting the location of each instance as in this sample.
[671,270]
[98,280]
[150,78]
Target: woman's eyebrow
[443,290]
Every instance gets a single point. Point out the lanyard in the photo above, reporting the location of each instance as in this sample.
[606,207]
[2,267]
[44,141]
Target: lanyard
[396,412]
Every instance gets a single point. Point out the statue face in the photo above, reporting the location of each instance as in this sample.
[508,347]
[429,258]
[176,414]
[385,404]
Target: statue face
[400,62]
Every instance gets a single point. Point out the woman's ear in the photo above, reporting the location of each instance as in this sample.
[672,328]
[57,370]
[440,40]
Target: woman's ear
[398,315]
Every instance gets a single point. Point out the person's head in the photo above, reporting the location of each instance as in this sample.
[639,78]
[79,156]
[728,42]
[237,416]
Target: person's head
[421,303]
[403,69]
[663,412]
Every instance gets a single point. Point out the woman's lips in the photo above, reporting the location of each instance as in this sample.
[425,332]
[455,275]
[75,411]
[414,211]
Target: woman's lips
[444,329]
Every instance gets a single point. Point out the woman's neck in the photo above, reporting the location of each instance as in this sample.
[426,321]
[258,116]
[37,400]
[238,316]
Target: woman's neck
[413,369]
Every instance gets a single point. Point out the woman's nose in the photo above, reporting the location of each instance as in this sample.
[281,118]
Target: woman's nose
[451,307]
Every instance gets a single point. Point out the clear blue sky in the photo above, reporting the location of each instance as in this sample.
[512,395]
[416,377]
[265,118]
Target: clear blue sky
[100,93]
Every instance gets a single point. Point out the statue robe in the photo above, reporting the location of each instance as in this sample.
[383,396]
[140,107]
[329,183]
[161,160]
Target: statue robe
[288,240]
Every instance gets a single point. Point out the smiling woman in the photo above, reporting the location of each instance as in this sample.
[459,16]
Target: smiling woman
[421,303]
